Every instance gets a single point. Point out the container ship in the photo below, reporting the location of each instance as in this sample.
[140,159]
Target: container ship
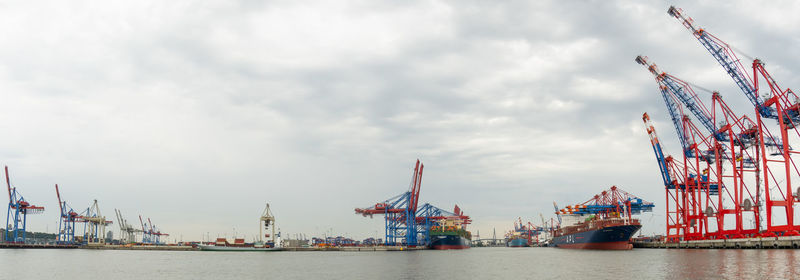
[518,241]
[604,222]
[520,236]
[450,233]
[597,233]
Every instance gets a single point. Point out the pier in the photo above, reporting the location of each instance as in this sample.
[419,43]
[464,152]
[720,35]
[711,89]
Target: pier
[354,249]
[783,242]
[35,246]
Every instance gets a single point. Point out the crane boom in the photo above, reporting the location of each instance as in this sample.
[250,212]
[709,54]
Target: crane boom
[8,182]
[726,57]
[666,173]
[417,184]
[61,207]
[684,93]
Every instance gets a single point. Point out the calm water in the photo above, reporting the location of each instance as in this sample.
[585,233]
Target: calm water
[475,263]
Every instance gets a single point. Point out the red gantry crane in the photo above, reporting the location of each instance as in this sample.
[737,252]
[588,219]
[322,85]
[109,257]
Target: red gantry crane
[674,186]
[405,222]
[778,172]
[699,188]
[735,157]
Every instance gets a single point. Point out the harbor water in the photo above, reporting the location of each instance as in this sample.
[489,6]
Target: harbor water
[475,263]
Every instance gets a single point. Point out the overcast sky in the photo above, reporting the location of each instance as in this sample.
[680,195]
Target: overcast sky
[195,114]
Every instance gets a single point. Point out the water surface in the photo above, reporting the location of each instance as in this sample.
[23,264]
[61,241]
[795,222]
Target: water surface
[475,263]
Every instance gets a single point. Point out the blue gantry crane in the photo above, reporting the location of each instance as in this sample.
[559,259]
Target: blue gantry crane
[66,223]
[400,212]
[726,57]
[17,217]
[405,222]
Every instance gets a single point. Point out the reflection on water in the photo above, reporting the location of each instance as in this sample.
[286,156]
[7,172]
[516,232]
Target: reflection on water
[731,264]
[476,263]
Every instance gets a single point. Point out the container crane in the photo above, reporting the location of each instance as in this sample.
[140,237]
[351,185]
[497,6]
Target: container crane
[66,223]
[95,225]
[744,169]
[147,235]
[699,151]
[778,104]
[155,233]
[674,186]
[546,228]
[731,147]
[155,238]
[17,217]
[399,212]
[558,215]
[612,202]
[684,94]
[127,231]
[724,54]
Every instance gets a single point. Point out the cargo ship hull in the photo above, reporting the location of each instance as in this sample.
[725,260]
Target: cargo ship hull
[447,242]
[518,242]
[607,238]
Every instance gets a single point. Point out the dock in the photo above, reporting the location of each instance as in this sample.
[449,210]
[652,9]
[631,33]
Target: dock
[140,247]
[35,246]
[190,248]
[782,242]
[354,249]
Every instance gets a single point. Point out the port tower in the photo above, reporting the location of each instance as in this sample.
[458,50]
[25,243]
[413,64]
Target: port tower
[66,223]
[17,217]
[266,223]
[399,212]
[774,103]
